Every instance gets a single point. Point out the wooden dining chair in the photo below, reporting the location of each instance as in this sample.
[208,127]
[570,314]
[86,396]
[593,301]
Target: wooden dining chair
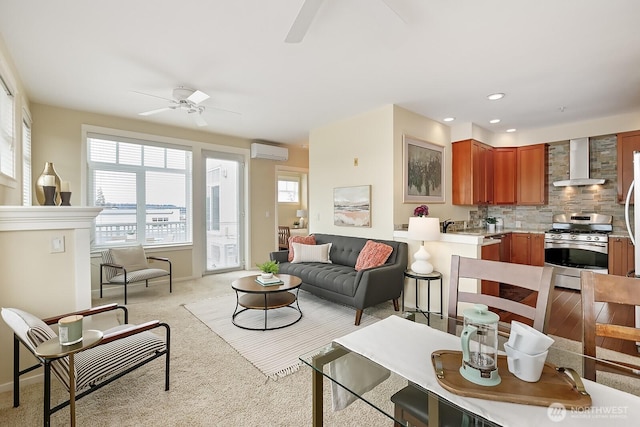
[284,232]
[409,407]
[530,277]
[605,288]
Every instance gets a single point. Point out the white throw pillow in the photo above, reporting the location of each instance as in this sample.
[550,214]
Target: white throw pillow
[311,253]
[132,258]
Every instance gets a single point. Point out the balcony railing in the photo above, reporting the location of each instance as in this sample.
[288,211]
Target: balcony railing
[156,232]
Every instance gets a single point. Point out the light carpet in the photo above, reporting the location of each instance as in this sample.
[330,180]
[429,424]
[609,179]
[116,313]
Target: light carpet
[275,353]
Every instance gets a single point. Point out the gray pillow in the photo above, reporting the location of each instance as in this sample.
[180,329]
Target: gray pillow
[131,258]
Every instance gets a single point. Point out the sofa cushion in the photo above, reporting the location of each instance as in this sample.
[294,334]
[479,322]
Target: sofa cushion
[311,253]
[334,278]
[372,255]
[307,240]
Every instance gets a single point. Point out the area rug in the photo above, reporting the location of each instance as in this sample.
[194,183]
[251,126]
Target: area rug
[275,353]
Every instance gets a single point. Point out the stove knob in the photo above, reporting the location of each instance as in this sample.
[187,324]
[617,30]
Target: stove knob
[596,238]
[588,237]
[574,237]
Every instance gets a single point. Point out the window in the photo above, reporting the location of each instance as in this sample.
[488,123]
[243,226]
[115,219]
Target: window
[144,188]
[26,162]
[288,189]
[6,130]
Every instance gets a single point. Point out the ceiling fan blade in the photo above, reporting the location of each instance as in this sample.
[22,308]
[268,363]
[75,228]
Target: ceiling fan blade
[386,2]
[303,21]
[197,97]
[200,121]
[159,110]
[155,96]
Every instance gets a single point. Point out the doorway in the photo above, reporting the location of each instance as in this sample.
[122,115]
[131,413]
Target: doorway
[292,200]
[224,207]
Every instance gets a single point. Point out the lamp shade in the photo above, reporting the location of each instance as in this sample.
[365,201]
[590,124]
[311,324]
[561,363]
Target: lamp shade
[424,228]
[301,213]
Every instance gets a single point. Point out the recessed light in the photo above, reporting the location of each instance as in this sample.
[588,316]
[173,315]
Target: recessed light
[448,119]
[511,130]
[495,96]
[494,121]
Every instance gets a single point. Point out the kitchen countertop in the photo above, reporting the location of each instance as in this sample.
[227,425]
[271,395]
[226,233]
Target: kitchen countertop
[472,236]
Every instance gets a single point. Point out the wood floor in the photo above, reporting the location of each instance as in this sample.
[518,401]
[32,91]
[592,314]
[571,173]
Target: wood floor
[566,318]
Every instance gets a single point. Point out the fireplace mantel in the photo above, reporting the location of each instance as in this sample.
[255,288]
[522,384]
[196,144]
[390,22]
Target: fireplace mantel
[24,218]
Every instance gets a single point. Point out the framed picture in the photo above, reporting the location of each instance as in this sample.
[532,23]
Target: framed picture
[352,206]
[422,171]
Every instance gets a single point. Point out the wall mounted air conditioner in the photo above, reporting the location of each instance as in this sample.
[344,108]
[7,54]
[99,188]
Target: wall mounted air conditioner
[271,152]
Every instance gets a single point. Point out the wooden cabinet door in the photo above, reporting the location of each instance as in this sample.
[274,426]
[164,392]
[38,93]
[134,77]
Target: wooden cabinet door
[462,180]
[628,142]
[537,249]
[621,256]
[520,248]
[504,176]
[505,247]
[490,252]
[532,167]
[478,173]
[618,247]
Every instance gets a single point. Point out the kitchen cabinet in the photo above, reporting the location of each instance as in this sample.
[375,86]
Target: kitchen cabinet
[472,173]
[527,248]
[621,254]
[532,180]
[492,253]
[628,142]
[504,176]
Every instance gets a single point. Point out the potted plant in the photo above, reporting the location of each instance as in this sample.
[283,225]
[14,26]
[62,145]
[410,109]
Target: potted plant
[491,224]
[268,268]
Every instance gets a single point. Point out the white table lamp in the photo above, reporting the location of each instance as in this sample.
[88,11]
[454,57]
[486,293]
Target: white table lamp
[424,229]
[302,214]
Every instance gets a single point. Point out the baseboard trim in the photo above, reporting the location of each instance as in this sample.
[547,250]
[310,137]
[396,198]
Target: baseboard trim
[39,378]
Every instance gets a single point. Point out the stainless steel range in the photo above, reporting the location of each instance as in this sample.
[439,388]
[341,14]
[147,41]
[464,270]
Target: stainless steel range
[577,242]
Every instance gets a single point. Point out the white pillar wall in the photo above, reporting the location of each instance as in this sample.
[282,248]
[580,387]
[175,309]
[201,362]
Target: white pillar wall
[37,273]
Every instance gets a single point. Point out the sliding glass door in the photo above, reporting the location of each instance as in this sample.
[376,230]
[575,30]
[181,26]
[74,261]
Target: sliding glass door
[224,219]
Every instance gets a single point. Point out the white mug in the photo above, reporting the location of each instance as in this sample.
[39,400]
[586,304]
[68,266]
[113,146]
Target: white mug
[527,367]
[528,340]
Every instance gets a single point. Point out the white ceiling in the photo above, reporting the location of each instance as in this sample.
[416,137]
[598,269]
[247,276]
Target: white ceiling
[443,60]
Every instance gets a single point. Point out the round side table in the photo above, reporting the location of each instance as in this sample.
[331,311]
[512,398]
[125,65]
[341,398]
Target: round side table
[434,275]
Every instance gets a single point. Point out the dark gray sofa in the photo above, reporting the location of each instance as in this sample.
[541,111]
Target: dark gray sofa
[341,283]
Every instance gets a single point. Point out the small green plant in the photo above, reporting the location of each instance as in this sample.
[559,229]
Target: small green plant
[269,267]
[491,220]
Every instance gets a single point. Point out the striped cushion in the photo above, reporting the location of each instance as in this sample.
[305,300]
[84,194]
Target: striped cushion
[311,253]
[136,276]
[373,254]
[132,258]
[33,332]
[103,361]
[307,240]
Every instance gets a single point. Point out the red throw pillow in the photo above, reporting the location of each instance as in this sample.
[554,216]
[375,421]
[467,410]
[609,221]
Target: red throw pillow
[305,240]
[373,254]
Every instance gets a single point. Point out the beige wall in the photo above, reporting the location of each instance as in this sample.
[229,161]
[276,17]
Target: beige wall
[332,149]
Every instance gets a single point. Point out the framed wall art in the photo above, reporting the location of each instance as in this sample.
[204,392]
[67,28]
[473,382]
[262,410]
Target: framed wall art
[422,171]
[352,206]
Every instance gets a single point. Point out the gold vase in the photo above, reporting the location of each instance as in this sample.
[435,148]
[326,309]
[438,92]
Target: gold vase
[49,170]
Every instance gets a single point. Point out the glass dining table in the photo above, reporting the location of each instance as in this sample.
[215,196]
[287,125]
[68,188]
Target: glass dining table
[388,368]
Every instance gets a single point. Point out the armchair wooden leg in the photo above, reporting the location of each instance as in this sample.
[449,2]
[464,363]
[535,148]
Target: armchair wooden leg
[358,317]
[396,305]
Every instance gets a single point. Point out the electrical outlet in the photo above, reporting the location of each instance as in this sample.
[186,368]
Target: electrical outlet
[355,161]
[518,224]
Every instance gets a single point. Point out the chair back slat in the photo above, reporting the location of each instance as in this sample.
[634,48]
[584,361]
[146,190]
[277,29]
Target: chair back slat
[284,232]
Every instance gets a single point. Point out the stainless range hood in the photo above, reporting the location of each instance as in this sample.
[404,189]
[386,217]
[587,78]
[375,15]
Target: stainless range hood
[578,165]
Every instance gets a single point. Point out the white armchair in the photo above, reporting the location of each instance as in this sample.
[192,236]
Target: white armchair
[121,266]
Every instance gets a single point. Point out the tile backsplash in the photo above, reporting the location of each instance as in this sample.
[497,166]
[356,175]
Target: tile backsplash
[597,198]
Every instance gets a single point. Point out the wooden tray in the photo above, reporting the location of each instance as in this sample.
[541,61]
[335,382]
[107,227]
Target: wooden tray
[555,384]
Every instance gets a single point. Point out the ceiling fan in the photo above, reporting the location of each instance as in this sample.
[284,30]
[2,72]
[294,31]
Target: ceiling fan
[306,15]
[183,99]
